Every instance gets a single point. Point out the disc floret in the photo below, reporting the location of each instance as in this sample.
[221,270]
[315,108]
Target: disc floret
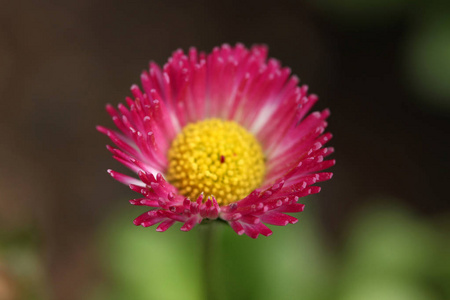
[217,157]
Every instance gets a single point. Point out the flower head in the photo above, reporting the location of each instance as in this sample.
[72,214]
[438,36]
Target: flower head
[221,135]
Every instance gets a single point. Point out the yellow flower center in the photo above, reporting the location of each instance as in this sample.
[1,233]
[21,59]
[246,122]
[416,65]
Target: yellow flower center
[217,157]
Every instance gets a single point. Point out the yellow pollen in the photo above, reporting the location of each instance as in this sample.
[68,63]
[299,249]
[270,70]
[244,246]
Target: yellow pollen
[217,157]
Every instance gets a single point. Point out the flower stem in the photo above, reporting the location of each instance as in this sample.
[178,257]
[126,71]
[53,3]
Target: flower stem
[209,239]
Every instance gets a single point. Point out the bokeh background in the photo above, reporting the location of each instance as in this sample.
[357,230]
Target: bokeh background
[378,230]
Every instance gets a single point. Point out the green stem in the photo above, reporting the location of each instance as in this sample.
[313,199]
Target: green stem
[209,239]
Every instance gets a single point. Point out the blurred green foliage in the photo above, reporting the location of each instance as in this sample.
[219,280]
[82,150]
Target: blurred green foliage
[22,274]
[142,264]
[427,54]
[388,254]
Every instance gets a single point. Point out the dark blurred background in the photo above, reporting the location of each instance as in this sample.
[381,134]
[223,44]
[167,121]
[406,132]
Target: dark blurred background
[378,229]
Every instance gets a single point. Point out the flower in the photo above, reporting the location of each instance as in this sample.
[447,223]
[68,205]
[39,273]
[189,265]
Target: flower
[224,136]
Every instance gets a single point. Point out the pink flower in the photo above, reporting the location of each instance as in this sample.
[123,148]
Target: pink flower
[221,135]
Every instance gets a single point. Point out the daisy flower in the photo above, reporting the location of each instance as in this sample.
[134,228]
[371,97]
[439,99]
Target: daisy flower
[223,135]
